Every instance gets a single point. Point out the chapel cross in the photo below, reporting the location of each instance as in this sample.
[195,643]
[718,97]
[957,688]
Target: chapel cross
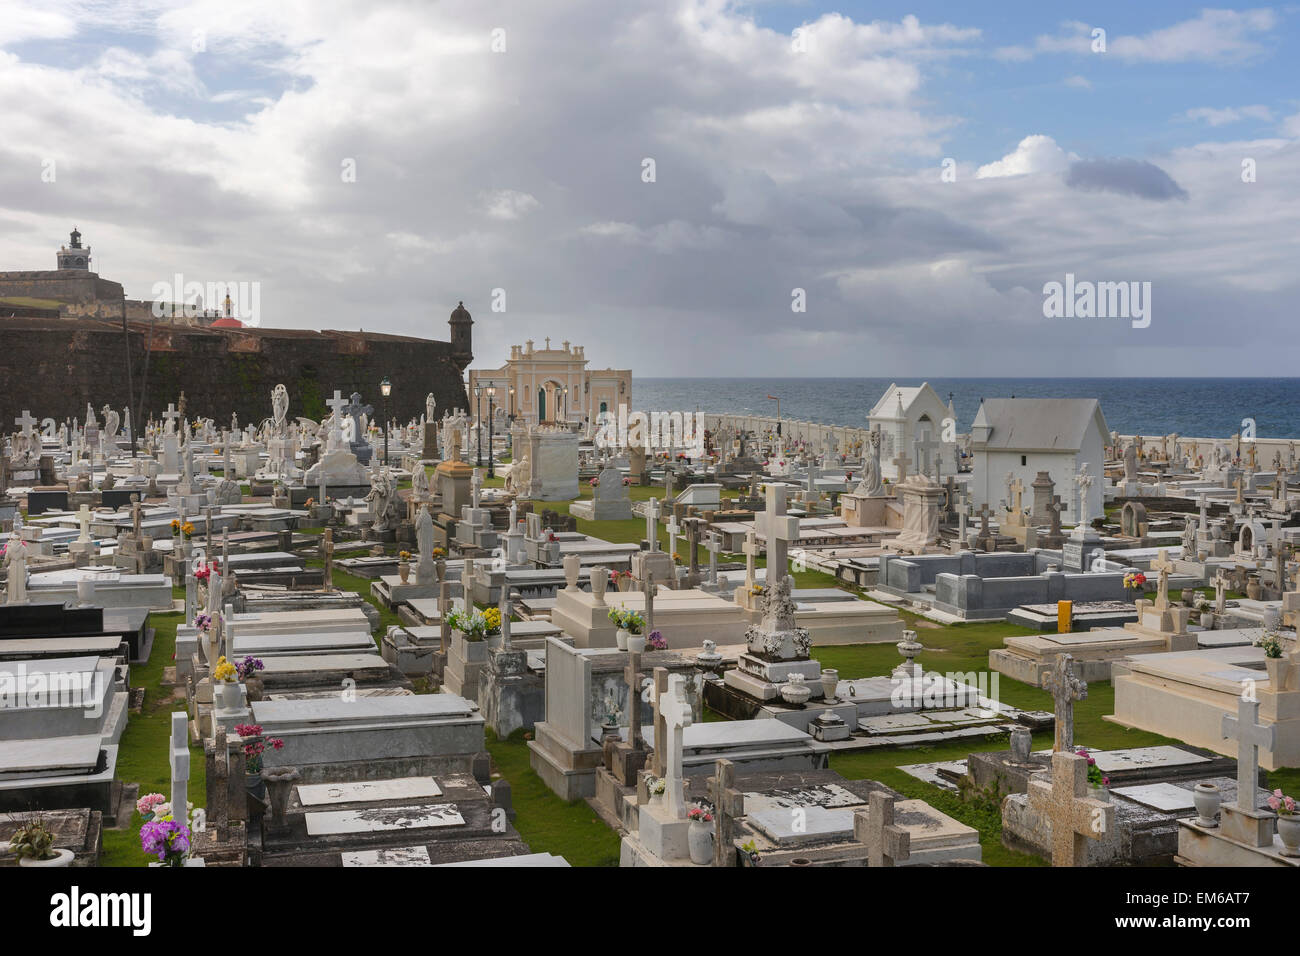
[1075,817]
[887,843]
[1065,689]
[1250,735]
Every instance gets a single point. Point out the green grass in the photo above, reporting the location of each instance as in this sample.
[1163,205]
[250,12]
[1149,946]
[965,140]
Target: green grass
[547,823]
[142,755]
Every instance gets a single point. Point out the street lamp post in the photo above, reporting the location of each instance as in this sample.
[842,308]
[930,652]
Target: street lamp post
[491,456]
[478,423]
[385,389]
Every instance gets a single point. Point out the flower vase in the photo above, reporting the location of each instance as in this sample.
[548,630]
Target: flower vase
[1207,797]
[255,687]
[255,787]
[621,639]
[699,838]
[830,682]
[635,643]
[404,570]
[1099,793]
[1276,667]
[61,858]
[1288,831]
[223,697]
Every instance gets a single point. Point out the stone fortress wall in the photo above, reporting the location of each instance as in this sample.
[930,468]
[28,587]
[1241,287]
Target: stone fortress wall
[54,367]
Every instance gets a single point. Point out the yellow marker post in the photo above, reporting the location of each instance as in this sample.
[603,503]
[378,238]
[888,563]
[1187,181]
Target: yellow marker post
[1064,611]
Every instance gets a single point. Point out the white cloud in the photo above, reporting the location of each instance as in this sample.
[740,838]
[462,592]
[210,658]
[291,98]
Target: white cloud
[1078,82]
[1215,36]
[1229,114]
[1034,154]
[507,204]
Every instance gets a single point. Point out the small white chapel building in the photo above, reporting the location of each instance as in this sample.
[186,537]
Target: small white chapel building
[1019,437]
[904,414]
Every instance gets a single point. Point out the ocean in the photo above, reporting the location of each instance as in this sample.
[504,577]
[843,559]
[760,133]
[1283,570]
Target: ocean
[1196,407]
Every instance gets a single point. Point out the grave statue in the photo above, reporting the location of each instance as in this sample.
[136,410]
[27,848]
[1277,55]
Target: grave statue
[16,566]
[279,409]
[382,496]
[1130,461]
[871,485]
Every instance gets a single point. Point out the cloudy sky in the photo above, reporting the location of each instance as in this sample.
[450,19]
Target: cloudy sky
[919,170]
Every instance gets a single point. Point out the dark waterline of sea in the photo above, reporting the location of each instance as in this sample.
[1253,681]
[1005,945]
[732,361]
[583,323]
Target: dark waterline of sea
[1196,407]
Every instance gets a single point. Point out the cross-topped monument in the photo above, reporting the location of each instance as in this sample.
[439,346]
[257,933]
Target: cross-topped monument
[1075,817]
[1065,689]
[675,710]
[887,843]
[751,549]
[1250,735]
[728,807]
[25,421]
[652,512]
[1164,566]
[781,528]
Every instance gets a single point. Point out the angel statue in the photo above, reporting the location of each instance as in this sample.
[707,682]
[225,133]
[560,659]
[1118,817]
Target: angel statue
[279,409]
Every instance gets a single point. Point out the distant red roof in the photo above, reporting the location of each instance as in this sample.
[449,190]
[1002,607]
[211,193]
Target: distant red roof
[225,322]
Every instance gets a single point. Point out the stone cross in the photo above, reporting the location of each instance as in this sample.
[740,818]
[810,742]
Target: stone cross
[25,421]
[781,529]
[327,552]
[336,404]
[83,518]
[713,544]
[1220,587]
[1054,508]
[506,607]
[901,463]
[1075,817]
[652,512]
[963,509]
[750,547]
[1016,491]
[170,415]
[1065,689]
[659,689]
[675,710]
[1164,566]
[648,588]
[180,765]
[693,526]
[1250,736]
[984,514]
[728,807]
[673,529]
[923,447]
[632,674]
[668,486]
[887,843]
